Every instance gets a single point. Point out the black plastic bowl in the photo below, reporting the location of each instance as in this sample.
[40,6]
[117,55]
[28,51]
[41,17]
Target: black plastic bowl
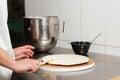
[81,47]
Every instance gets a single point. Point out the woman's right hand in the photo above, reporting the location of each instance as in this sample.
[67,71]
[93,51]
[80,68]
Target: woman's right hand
[26,65]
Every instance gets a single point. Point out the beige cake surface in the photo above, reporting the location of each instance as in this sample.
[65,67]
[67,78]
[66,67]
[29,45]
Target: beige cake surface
[65,59]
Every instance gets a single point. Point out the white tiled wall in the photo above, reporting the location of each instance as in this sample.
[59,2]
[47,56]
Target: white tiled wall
[95,16]
[93,22]
[33,7]
[100,16]
[50,7]
[113,27]
[70,13]
[113,23]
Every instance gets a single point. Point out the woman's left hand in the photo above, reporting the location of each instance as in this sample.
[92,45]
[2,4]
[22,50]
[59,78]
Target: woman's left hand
[23,52]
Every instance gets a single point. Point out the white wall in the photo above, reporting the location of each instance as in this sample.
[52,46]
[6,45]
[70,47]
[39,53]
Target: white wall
[32,7]
[113,27]
[93,22]
[96,16]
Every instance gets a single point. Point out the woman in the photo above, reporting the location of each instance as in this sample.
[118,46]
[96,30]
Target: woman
[11,60]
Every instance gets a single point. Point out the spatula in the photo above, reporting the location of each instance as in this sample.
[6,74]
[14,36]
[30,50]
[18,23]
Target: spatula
[46,61]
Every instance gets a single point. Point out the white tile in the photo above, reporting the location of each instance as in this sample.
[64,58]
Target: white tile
[65,44]
[115,51]
[97,49]
[70,14]
[58,44]
[113,23]
[33,7]
[93,20]
[50,7]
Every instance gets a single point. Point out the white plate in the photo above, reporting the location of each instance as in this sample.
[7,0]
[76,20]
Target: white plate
[65,59]
[81,68]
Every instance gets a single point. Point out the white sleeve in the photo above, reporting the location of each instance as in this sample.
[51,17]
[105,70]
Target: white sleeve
[5,41]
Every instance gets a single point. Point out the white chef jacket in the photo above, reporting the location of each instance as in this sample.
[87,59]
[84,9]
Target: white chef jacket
[5,43]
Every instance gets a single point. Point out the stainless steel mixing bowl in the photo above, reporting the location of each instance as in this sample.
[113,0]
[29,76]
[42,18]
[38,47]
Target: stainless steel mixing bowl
[42,32]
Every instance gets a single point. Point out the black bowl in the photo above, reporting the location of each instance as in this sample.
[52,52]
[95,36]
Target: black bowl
[81,47]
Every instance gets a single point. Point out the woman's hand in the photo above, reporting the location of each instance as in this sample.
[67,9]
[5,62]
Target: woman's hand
[26,65]
[19,66]
[23,52]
